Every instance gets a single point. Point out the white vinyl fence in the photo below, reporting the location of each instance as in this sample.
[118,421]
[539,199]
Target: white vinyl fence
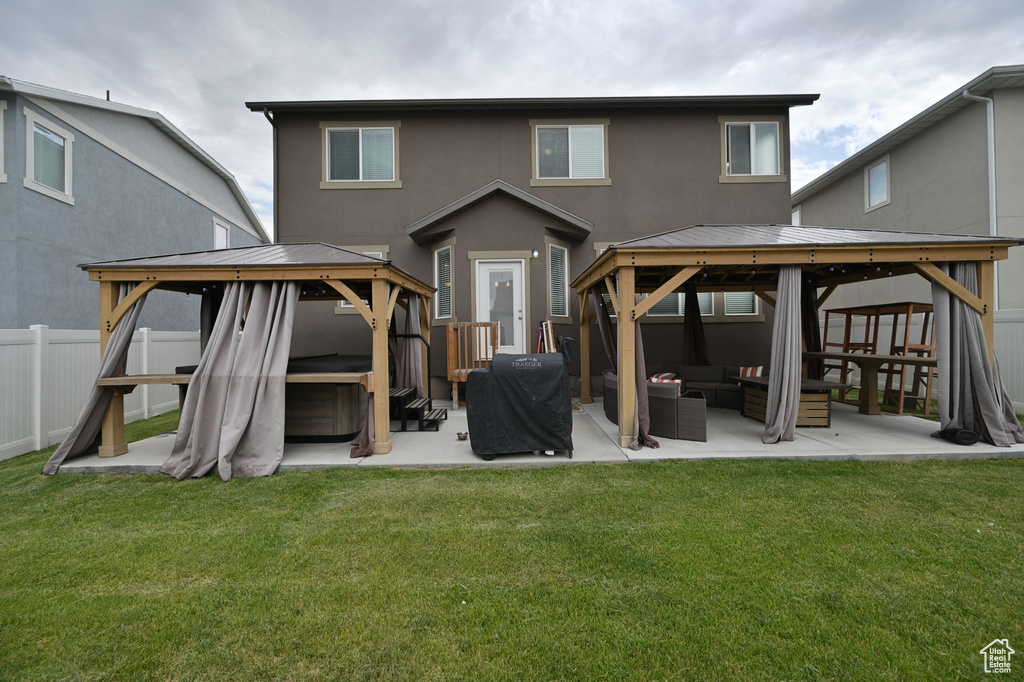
[46,375]
[1009,327]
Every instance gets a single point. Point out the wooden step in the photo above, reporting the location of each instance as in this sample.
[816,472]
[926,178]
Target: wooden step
[419,404]
[433,417]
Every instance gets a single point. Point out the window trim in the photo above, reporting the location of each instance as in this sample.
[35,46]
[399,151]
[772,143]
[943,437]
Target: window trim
[221,224]
[3,109]
[536,181]
[868,208]
[32,119]
[680,300]
[797,214]
[717,316]
[725,121]
[438,320]
[753,297]
[343,307]
[551,243]
[327,126]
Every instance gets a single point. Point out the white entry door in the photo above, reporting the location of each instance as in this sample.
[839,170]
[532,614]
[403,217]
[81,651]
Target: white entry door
[500,295]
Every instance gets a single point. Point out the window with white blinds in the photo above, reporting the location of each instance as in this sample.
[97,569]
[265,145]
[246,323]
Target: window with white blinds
[675,304]
[740,303]
[48,158]
[570,152]
[753,148]
[361,154]
[443,282]
[558,280]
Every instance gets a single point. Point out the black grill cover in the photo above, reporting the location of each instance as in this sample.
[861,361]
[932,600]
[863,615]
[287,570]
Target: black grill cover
[521,404]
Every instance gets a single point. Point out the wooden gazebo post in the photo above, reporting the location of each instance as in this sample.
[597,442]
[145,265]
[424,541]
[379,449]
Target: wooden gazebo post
[112,440]
[986,292]
[586,318]
[381,382]
[627,355]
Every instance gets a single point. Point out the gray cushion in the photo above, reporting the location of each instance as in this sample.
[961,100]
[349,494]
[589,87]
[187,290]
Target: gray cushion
[702,385]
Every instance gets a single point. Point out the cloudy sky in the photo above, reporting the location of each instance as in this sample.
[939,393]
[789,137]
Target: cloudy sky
[876,63]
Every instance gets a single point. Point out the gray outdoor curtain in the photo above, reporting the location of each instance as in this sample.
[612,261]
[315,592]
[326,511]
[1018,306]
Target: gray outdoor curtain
[406,351]
[84,435]
[810,323]
[642,414]
[362,446]
[971,394]
[784,379]
[233,415]
[208,311]
[695,346]
[604,324]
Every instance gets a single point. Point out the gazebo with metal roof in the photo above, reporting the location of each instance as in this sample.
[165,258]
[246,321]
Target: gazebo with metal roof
[747,258]
[372,285]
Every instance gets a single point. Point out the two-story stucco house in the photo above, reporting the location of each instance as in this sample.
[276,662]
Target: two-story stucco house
[956,167]
[84,179]
[500,203]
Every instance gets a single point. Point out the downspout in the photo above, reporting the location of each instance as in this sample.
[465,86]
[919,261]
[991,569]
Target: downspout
[270,118]
[993,219]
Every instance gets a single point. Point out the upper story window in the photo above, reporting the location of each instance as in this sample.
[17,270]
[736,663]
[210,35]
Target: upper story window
[570,152]
[221,235]
[752,149]
[48,158]
[876,185]
[360,155]
[796,216]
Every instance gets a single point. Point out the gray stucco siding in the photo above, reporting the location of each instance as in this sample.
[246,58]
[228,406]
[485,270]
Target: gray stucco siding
[143,139]
[120,211]
[938,183]
[664,170]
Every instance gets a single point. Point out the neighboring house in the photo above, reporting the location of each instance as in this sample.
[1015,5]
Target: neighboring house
[84,180]
[500,203]
[931,174]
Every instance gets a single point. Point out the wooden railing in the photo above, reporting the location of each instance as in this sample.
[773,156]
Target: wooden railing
[471,345]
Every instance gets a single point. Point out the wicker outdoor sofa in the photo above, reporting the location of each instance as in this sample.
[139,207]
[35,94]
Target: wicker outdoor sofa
[679,410]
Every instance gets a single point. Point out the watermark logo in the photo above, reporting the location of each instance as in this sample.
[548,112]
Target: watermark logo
[997,656]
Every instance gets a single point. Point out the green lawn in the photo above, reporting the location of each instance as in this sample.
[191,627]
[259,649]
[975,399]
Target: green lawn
[744,570]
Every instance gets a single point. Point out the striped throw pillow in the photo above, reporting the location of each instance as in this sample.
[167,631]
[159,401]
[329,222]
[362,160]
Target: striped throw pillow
[664,376]
[752,371]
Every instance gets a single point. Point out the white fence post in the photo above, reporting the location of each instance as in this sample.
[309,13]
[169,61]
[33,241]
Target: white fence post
[146,339]
[40,380]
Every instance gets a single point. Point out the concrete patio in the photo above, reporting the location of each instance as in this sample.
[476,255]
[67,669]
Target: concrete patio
[730,436]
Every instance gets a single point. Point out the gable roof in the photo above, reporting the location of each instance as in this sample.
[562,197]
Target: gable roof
[299,254]
[157,119]
[996,78]
[536,103]
[570,223]
[756,236]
